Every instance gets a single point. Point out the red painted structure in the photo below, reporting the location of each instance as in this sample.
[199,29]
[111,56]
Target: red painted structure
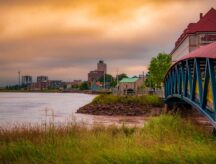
[208,51]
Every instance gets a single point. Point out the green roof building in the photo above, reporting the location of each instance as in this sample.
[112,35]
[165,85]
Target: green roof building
[129,85]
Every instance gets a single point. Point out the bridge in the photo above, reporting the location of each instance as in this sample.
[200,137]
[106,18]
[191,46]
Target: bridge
[192,80]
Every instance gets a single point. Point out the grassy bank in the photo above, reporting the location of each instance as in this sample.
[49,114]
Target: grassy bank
[166,139]
[139,100]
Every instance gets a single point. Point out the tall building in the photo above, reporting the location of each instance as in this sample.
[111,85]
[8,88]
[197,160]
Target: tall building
[26,80]
[95,75]
[196,35]
[42,79]
[101,66]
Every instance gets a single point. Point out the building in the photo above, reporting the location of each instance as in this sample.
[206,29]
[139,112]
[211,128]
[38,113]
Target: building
[55,84]
[26,80]
[101,66]
[73,84]
[39,86]
[94,76]
[196,35]
[42,79]
[129,85]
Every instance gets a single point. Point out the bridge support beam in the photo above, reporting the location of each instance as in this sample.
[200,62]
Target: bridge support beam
[180,107]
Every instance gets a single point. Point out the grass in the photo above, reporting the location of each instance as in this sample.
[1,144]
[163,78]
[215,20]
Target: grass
[165,139]
[140,100]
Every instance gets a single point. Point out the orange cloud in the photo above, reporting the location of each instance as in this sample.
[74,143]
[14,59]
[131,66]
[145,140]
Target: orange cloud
[62,37]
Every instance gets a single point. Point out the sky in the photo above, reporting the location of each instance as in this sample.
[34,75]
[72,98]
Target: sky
[65,39]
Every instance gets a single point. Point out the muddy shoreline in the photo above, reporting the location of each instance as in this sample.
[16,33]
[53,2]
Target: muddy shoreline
[121,109]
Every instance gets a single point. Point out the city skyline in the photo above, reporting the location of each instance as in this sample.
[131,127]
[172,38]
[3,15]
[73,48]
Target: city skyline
[65,40]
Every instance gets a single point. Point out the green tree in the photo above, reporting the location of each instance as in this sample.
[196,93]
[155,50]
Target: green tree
[84,86]
[158,67]
[148,81]
[108,78]
[121,76]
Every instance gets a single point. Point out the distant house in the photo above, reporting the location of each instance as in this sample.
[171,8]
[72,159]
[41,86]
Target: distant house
[129,85]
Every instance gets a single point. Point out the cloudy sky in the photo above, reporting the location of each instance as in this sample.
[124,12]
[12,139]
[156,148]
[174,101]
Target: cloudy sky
[65,39]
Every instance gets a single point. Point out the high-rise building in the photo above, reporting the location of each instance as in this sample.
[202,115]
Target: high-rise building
[101,66]
[26,80]
[196,35]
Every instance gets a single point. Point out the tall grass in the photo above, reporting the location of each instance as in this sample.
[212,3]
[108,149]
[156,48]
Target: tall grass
[140,100]
[166,139]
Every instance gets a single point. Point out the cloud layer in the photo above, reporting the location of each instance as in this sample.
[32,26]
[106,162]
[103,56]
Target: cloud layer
[65,39]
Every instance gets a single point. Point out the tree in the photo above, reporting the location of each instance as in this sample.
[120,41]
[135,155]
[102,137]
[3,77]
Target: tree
[84,86]
[108,78]
[148,81]
[121,76]
[158,67]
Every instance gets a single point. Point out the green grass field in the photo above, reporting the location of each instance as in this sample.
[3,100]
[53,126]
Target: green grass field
[140,100]
[165,139]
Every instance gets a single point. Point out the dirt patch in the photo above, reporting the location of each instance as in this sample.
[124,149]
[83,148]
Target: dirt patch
[121,110]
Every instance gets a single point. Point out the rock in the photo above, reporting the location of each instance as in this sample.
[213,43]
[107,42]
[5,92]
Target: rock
[120,109]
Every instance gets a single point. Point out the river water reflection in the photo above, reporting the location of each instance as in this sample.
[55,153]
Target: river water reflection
[37,108]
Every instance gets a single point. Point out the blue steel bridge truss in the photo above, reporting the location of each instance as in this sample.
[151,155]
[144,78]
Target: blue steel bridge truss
[193,81]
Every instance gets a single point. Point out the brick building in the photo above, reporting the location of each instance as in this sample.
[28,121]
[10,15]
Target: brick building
[95,75]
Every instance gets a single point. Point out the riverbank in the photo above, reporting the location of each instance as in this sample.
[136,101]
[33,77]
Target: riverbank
[111,105]
[165,139]
[57,91]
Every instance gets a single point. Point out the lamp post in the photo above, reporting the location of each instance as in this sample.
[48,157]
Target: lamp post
[19,78]
[104,81]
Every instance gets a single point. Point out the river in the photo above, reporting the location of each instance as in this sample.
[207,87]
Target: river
[38,108]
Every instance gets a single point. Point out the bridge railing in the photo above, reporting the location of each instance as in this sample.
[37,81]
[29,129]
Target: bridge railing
[193,80]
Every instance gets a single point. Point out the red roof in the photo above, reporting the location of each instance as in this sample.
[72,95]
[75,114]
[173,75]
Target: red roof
[207,23]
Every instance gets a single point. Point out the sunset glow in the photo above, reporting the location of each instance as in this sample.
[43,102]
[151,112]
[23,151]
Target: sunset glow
[64,40]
